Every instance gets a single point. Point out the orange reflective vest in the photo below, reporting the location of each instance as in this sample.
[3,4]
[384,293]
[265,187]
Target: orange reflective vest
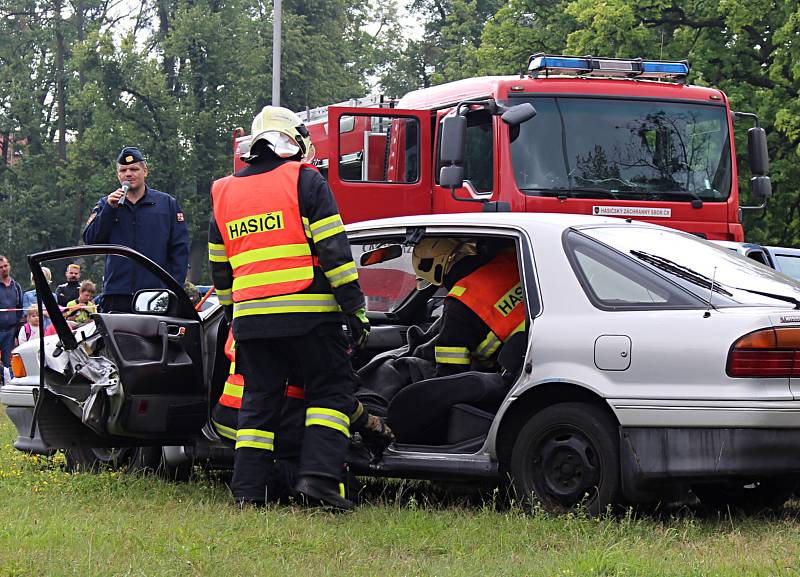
[494,293]
[234,385]
[265,239]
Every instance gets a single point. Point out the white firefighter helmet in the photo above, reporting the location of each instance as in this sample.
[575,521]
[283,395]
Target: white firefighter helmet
[433,258]
[283,132]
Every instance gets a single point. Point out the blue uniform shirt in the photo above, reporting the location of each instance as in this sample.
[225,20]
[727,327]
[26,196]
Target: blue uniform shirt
[10,298]
[154,226]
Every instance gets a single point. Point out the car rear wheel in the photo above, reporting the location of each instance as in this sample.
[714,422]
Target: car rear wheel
[567,457]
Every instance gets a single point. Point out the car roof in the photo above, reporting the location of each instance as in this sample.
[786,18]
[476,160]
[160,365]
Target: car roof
[504,219]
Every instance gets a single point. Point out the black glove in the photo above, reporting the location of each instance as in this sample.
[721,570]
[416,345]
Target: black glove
[358,327]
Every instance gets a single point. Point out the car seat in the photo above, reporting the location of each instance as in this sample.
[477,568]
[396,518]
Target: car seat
[454,409]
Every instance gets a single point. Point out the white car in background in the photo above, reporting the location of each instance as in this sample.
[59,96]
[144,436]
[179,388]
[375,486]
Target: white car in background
[781,258]
[652,362]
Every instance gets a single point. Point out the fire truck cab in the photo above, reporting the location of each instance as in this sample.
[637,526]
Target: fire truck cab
[578,135]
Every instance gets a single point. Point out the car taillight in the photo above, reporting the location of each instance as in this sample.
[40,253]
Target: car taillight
[17,366]
[766,353]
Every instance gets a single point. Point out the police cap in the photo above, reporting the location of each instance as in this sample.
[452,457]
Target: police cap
[129,155]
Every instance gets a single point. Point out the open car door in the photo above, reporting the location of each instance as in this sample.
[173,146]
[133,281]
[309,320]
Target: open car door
[137,379]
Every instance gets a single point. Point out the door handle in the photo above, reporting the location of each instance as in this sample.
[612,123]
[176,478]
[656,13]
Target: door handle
[175,332]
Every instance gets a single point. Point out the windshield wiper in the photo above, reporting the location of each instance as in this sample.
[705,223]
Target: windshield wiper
[677,194]
[784,298]
[681,271]
[701,280]
[579,192]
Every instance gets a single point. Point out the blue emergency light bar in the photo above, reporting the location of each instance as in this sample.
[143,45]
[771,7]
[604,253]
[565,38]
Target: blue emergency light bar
[609,67]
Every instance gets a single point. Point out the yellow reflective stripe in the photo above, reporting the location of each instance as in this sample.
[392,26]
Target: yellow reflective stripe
[225,296]
[232,370]
[457,291]
[326,227]
[216,252]
[224,431]
[452,355]
[296,303]
[233,390]
[488,346]
[518,329]
[342,274]
[357,413]
[273,277]
[255,439]
[269,253]
[306,227]
[328,418]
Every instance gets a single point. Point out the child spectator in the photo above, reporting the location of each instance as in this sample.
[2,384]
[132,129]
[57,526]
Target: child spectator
[78,310]
[29,297]
[30,330]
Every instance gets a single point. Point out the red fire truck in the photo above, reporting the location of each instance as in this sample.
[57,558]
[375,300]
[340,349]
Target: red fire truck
[584,135]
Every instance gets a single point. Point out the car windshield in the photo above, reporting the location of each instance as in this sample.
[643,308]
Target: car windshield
[623,149]
[702,267]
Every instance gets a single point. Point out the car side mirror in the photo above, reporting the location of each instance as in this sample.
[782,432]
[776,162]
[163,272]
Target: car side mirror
[153,301]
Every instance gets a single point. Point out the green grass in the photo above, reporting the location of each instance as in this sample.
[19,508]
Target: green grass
[58,523]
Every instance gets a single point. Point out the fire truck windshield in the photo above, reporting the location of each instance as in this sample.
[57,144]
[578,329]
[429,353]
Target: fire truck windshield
[623,149]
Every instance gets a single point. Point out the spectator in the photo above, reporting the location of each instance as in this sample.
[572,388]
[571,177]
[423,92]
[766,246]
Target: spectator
[69,290]
[30,330]
[11,302]
[29,298]
[144,219]
[80,309]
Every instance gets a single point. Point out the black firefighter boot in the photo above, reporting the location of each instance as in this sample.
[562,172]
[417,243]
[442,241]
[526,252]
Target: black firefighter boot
[313,491]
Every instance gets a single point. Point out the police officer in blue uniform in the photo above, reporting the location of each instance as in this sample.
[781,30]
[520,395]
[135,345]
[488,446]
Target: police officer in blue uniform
[144,219]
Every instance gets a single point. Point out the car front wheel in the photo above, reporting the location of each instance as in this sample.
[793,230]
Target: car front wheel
[566,457]
[95,458]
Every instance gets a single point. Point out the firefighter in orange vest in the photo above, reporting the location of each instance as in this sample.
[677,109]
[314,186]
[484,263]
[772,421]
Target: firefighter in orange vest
[225,414]
[483,308]
[224,417]
[283,270]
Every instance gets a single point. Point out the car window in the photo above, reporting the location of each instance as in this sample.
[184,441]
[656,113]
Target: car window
[706,269]
[614,282]
[789,265]
[387,284]
[610,285]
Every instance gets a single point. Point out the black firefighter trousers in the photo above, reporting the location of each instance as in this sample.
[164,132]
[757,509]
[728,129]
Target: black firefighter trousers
[321,359]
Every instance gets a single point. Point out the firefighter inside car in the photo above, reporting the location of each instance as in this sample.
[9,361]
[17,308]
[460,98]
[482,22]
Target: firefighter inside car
[483,311]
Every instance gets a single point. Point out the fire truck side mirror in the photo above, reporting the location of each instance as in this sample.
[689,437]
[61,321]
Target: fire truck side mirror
[757,151]
[451,148]
[518,114]
[451,176]
[760,187]
[451,151]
